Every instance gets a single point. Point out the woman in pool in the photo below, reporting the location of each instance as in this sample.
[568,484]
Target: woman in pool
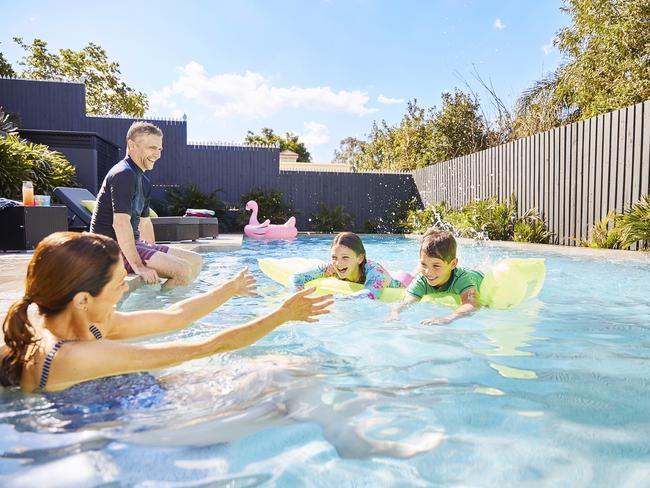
[348,262]
[76,280]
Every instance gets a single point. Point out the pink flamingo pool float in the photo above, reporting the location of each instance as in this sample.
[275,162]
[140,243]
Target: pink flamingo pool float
[267,230]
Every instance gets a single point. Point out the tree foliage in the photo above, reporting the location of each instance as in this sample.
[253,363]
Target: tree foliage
[106,93]
[607,52]
[424,136]
[5,67]
[289,142]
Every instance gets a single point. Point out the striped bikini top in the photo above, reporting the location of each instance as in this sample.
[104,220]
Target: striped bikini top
[50,356]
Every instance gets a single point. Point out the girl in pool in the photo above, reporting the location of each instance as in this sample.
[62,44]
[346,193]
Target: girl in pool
[348,262]
[76,280]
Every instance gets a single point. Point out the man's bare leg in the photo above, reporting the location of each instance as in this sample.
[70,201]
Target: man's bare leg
[178,271]
[194,258]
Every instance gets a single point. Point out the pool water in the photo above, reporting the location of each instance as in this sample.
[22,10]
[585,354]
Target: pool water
[555,392]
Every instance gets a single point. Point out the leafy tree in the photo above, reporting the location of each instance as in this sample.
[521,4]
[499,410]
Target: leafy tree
[424,136]
[5,67]
[459,128]
[607,48]
[106,93]
[289,141]
[350,152]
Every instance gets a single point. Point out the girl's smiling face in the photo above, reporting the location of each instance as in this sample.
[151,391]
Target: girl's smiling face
[346,262]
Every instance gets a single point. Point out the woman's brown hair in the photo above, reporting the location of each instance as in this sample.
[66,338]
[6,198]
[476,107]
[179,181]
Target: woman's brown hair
[63,264]
[353,241]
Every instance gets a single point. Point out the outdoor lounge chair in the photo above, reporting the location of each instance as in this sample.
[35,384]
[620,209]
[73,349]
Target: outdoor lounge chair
[165,228]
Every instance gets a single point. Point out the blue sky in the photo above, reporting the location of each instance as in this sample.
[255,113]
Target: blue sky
[322,69]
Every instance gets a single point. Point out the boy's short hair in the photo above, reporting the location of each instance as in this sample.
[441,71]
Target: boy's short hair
[438,244]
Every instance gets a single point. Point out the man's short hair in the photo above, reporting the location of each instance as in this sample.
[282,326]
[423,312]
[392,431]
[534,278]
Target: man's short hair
[438,244]
[142,128]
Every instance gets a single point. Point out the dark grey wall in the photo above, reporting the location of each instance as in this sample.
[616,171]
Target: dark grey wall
[86,151]
[235,169]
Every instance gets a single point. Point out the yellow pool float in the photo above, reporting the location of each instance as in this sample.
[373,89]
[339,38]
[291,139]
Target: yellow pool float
[507,284]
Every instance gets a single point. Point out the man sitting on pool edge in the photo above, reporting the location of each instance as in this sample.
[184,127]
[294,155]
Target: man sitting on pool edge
[439,274]
[122,213]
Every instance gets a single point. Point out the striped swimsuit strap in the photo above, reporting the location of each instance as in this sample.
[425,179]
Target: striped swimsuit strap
[47,364]
[95,331]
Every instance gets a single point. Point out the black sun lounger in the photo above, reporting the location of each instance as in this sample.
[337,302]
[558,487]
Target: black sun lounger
[165,228]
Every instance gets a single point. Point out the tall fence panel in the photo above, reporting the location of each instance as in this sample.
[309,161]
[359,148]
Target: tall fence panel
[573,175]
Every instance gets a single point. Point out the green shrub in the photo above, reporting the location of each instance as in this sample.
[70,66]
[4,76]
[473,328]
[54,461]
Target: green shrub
[7,123]
[491,218]
[372,226]
[180,199]
[21,160]
[530,227]
[482,219]
[418,221]
[394,220]
[634,224]
[331,220]
[605,234]
[270,206]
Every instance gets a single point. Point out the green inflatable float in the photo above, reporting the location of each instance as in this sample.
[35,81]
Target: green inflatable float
[510,282]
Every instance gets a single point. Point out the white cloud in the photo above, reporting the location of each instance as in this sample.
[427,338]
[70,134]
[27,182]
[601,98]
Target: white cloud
[315,134]
[548,48]
[162,98]
[498,24]
[388,100]
[252,95]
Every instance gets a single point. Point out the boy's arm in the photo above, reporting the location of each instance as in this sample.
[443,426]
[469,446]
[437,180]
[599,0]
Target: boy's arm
[468,303]
[397,308]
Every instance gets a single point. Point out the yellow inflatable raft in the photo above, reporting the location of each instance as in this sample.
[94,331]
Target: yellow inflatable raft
[509,282]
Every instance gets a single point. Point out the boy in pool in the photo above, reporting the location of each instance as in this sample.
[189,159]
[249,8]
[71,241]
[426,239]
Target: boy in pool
[439,274]
[348,262]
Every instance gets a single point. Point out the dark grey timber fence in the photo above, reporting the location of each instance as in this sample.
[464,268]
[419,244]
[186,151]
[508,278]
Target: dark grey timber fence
[57,106]
[573,175]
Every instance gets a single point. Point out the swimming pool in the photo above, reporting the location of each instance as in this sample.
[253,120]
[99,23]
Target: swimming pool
[556,392]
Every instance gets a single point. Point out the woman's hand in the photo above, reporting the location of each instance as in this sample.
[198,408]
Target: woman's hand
[301,307]
[245,284]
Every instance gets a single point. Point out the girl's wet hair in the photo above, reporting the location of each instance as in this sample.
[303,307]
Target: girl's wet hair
[438,244]
[63,264]
[353,241]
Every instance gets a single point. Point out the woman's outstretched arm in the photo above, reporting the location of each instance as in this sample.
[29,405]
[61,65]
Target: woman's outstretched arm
[82,361]
[130,325]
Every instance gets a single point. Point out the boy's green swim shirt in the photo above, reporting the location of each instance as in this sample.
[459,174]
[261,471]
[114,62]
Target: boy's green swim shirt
[460,280]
